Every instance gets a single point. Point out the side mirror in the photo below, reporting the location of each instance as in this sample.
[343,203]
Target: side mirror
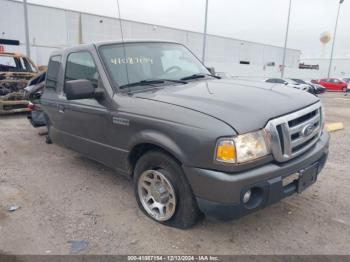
[81,89]
[211,70]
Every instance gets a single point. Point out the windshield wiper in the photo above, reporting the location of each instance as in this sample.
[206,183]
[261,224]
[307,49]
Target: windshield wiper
[195,76]
[142,83]
[152,82]
[174,81]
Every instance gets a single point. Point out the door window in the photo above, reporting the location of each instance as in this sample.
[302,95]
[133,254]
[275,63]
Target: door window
[81,65]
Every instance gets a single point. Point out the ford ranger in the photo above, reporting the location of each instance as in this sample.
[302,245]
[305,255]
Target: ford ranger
[192,143]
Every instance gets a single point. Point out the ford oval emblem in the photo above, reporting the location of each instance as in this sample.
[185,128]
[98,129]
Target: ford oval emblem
[307,130]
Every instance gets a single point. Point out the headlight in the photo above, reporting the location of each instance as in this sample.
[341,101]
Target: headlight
[243,148]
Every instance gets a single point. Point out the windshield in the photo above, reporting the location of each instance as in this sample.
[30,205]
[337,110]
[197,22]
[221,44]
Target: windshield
[15,64]
[149,61]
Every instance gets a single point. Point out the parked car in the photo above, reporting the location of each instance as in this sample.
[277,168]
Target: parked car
[33,93]
[15,71]
[314,88]
[290,83]
[191,142]
[318,88]
[333,84]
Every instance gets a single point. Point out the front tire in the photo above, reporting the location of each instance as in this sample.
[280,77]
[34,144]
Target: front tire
[162,191]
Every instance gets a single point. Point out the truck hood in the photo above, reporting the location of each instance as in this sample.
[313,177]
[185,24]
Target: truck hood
[245,106]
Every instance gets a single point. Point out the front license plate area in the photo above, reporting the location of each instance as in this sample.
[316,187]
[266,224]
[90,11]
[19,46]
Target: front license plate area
[307,177]
[290,179]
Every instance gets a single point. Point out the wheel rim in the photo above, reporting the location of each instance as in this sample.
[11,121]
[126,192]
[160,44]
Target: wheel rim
[157,195]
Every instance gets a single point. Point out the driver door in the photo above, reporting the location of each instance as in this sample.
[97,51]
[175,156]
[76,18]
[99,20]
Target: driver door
[84,121]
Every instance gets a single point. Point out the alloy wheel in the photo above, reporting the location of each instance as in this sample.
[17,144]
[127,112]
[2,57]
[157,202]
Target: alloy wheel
[157,195]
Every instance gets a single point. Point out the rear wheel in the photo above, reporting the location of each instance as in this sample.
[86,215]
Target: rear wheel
[345,89]
[162,191]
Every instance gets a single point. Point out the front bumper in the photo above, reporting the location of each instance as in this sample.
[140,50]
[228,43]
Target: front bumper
[220,194]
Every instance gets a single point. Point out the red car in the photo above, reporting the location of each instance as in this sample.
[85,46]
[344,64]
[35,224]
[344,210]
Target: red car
[333,84]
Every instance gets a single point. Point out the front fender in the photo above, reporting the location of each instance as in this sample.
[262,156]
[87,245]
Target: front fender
[159,139]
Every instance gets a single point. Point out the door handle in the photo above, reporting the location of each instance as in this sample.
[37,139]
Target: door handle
[60,108]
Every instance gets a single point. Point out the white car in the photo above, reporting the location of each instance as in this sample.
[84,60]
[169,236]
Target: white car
[289,82]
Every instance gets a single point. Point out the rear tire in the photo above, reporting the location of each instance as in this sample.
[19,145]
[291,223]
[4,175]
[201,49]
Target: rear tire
[159,181]
[345,89]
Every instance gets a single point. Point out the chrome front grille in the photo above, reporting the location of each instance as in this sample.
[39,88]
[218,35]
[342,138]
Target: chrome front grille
[293,134]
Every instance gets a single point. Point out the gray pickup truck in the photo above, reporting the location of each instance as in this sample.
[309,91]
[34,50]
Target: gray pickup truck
[192,143]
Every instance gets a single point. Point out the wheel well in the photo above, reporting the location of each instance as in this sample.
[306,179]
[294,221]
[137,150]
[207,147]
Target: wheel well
[140,150]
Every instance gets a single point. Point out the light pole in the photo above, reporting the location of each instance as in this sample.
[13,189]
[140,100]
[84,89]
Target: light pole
[335,33]
[285,41]
[205,31]
[26,29]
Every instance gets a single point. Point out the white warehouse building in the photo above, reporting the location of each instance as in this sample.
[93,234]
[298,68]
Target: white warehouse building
[54,28]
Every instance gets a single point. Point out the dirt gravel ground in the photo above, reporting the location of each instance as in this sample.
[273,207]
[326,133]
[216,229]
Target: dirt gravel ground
[64,197]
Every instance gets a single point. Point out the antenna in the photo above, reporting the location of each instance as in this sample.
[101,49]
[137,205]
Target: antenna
[123,45]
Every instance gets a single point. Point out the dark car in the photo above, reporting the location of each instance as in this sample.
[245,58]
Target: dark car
[191,142]
[33,93]
[318,88]
[35,87]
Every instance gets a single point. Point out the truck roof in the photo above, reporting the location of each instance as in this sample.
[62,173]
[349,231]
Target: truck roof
[101,43]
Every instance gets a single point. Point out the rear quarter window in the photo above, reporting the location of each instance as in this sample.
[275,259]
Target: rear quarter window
[53,71]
